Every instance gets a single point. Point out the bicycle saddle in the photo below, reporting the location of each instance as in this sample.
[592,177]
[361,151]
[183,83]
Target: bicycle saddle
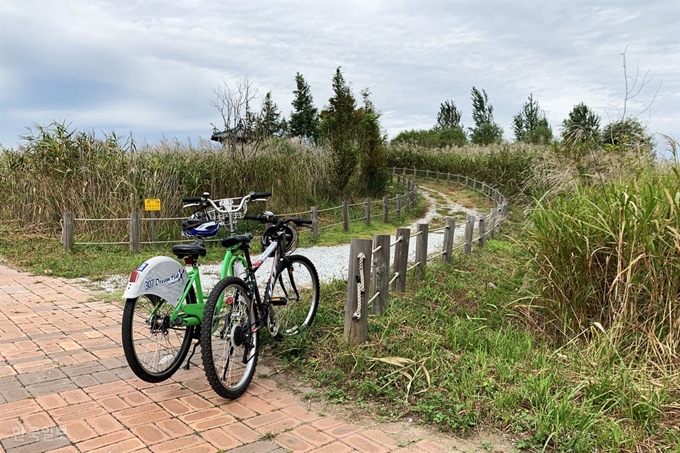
[233,240]
[195,249]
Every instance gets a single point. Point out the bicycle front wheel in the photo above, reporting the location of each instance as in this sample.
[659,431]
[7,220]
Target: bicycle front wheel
[228,344]
[153,348]
[296,295]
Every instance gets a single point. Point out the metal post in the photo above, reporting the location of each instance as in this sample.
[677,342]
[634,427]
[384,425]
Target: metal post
[153,227]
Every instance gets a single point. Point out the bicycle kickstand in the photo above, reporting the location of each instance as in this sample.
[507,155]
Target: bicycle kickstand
[193,351]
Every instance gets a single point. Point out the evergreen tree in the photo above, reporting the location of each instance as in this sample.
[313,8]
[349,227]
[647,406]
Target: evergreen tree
[530,124]
[582,127]
[304,119]
[449,116]
[269,123]
[374,175]
[486,131]
[339,128]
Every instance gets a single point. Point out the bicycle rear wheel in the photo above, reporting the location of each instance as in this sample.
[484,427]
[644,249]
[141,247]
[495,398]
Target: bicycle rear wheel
[229,348]
[154,349]
[296,295]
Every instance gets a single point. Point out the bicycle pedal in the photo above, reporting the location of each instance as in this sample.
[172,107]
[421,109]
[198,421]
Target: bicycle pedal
[278,301]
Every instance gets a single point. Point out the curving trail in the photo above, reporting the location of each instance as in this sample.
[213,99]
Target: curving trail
[332,262]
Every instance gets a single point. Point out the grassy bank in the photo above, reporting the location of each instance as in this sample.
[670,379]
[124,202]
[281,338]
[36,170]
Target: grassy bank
[461,350]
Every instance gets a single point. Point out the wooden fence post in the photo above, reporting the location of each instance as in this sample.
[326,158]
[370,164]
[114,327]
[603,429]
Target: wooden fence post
[345,216]
[407,200]
[492,223]
[67,231]
[134,232]
[401,259]
[421,251]
[466,182]
[399,206]
[355,307]
[367,211]
[427,174]
[315,223]
[381,272]
[482,231]
[448,178]
[448,239]
[457,179]
[385,209]
[469,229]
[394,170]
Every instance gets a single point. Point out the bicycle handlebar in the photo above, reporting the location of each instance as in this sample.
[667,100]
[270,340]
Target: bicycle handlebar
[264,218]
[228,207]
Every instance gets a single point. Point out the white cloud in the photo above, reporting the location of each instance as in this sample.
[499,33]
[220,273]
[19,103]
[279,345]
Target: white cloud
[149,66]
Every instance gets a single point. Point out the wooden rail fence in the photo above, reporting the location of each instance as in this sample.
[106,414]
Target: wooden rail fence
[369,260]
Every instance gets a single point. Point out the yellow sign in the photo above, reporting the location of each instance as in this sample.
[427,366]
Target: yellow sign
[152,204]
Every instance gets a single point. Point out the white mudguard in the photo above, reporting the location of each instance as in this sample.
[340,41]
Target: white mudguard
[160,276]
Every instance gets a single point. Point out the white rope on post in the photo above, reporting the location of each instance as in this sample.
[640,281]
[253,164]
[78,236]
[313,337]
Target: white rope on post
[396,276]
[360,286]
[401,238]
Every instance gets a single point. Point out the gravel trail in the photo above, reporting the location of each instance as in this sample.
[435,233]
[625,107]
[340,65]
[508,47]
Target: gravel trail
[332,262]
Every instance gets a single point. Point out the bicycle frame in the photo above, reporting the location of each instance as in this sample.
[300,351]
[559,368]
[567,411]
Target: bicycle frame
[166,277]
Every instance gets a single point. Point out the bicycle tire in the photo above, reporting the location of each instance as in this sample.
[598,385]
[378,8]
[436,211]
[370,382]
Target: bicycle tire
[229,348]
[298,285]
[156,357]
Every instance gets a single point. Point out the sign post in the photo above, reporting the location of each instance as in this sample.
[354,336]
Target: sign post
[152,205]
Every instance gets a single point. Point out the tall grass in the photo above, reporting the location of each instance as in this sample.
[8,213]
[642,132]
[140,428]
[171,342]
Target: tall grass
[506,167]
[608,255]
[58,171]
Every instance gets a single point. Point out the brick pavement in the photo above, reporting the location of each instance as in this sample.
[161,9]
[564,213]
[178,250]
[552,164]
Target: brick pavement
[65,387]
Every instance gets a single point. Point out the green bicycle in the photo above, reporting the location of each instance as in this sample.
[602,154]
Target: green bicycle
[165,300]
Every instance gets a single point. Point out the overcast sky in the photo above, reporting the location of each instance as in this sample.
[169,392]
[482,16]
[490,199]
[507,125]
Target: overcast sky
[149,67]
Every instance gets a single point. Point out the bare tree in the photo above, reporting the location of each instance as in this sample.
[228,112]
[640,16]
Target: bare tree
[633,91]
[234,103]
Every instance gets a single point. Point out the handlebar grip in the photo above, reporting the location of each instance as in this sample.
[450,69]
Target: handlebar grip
[303,222]
[259,218]
[191,199]
[254,195]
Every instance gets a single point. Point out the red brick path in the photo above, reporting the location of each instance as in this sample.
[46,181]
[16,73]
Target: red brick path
[65,387]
